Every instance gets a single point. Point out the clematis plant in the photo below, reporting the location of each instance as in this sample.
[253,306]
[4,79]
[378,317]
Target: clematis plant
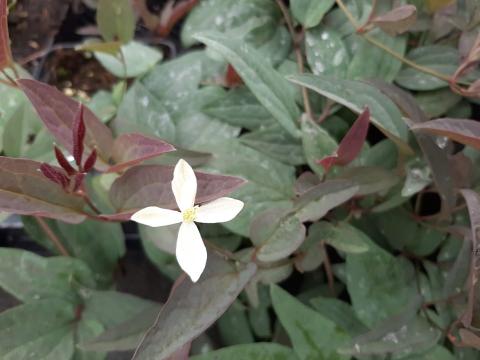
[190,250]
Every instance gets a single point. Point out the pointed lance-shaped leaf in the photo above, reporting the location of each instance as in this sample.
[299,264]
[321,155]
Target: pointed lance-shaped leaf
[57,111]
[464,131]
[25,190]
[232,79]
[78,135]
[351,144]
[5,52]
[133,148]
[54,175]
[90,162]
[398,20]
[63,162]
[472,199]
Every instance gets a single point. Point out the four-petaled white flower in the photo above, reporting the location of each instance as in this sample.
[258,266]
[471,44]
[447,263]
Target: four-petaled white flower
[190,250]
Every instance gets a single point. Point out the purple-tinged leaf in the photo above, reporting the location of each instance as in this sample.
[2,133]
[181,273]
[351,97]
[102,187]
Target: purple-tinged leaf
[464,131]
[25,190]
[54,175]
[90,162]
[398,20]
[320,199]
[57,111]
[351,145]
[276,234]
[182,353]
[63,162]
[150,185]
[131,149]
[193,307]
[469,339]
[5,52]
[472,199]
[78,135]
[305,182]
[437,157]
[78,181]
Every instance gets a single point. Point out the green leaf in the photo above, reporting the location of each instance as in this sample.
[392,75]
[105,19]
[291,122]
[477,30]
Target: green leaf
[99,245]
[142,112]
[269,183]
[239,107]
[126,335]
[313,336]
[266,83]
[103,105]
[40,330]
[275,142]
[30,277]
[414,337]
[341,236]
[198,131]
[234,327]
[137,59]
[193,307]
[18,133]
[437,353]
[276,234]
[355,95]
[320,199]
[173,86]
[370,179]
[227,15]
[111,308]
[12,101]
[340,313]
[378,283]
[371,62]
[257,351]
[317,143]
[443,59]
[437,102]
[326,52]
[116,20]
[310,12]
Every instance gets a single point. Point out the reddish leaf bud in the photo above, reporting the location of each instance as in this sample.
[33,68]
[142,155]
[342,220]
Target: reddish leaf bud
[63,162]
[90,162]
[54,175]
[78,135]
[78,181]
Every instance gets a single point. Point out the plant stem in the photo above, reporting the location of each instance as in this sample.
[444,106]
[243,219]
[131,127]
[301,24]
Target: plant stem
[393,53]
[51,235]
[11,82]
[89,202]
[328,268]
[298,55]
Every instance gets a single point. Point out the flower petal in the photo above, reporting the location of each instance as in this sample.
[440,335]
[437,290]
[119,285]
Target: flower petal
[221,210]
[191,252]
[155,216]
[184,185]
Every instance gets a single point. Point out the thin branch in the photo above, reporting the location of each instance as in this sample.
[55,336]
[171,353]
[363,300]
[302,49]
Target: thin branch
[298,55]
[51,235]
[328,267]
[393,53]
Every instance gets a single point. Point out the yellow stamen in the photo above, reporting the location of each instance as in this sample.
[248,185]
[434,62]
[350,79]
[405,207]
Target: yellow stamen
[189,215]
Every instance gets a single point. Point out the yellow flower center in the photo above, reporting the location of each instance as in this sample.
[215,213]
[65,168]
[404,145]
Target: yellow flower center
[189,215]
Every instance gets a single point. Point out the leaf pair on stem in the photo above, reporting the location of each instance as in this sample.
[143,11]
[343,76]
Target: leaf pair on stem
[71,179]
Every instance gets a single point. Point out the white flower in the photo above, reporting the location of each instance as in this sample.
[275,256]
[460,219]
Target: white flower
[190,250]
